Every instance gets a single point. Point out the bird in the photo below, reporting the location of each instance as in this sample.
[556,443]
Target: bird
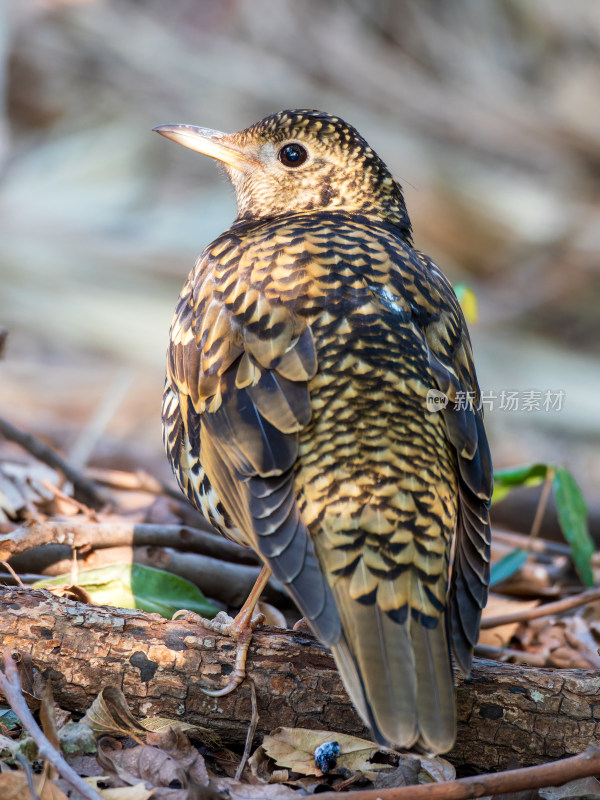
[305,348]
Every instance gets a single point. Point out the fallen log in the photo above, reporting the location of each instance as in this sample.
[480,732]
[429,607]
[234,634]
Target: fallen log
[508,714]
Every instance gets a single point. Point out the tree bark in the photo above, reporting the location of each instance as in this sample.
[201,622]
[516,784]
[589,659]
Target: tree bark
[507,714]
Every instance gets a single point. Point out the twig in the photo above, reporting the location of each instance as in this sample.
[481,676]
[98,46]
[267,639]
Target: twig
[220,580]
[3,331]
[505,654]
[514,780]
[8,567]
[11,687]
[91,433]
[543,502]
[78,532]
[28,774]
[86,488]
[139,481]
[24,579]
[542,611]
[251,730]
[524,542]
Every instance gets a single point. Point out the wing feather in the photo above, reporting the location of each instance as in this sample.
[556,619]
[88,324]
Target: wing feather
[251,361]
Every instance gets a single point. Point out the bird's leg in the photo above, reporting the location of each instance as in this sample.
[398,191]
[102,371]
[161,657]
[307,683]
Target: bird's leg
[240,629]
[302,626]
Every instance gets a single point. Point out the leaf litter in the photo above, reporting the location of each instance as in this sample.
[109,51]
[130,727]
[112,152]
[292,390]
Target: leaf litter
[125,758]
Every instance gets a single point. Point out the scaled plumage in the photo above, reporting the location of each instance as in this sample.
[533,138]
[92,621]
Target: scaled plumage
[303,347]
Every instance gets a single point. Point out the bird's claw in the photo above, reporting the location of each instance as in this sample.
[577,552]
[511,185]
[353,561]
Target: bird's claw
[240,630]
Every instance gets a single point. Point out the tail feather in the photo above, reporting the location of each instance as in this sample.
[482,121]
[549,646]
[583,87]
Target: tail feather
[398,676]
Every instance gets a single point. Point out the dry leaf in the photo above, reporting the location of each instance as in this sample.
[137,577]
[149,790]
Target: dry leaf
[162,725]
[13,786]
[496,606]
[272,615]
[72,592]
[110,714]
[243,791]
[294,749]
[434,768]
[169,761]
[142,762]
[137,792]
[579,789]
[23,487]
[176,744]
[405,774]
[47,789]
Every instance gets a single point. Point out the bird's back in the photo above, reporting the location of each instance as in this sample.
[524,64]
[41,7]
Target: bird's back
[314,341]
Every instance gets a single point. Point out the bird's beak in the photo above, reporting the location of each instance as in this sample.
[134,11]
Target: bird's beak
[208,142]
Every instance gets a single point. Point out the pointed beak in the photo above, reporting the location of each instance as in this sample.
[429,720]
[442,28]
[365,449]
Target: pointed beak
[208,142]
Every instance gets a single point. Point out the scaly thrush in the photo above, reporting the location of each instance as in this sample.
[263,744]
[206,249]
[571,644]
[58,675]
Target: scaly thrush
[304,347]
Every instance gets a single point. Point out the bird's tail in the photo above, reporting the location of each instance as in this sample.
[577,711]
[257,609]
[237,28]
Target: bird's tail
[398,675]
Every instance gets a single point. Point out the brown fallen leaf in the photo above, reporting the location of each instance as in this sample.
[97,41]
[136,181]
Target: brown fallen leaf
[235,790]
[405,774]
[71,592]
[272,615]
[109,715]
[496,606]
[24,488]
[137,792]
[176,744]
[13,786]
[47,789]
[294,749]
[141,762]
[164,725]
[579,789]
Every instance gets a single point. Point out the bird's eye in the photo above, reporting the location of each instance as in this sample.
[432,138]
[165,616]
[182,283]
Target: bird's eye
[292,155]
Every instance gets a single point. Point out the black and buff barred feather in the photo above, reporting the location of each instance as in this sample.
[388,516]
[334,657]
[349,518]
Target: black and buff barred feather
[303,347]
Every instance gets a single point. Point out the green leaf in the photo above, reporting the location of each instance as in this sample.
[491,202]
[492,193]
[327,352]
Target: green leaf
[137,586]
[8,718]
[572,516]
[508,479]
[507,566]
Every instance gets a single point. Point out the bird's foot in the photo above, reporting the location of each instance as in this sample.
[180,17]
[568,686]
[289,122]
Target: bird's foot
[239,629]
[302,626]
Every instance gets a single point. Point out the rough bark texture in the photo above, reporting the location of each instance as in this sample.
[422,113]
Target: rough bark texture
[507,714]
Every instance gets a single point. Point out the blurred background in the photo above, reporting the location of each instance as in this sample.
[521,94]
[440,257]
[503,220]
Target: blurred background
[488,113]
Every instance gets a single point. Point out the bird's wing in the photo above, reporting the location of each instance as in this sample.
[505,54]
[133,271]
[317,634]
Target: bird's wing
[239,367]
[438,315]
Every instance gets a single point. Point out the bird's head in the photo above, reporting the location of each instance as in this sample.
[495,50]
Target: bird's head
[299,161]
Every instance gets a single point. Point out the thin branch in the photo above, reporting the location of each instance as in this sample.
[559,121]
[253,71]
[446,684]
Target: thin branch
[515,780]
[79,532]
[546,610]
[87,489]
[543,502]
[28,774]
[139,481]
[505,654]
[16,578]
[90,434]
[524,542]
[251,730]
[11,687]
